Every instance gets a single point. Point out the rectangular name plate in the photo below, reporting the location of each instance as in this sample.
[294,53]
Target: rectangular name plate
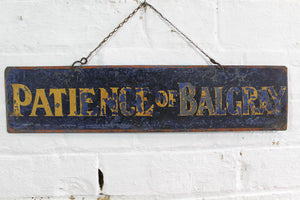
[146,99]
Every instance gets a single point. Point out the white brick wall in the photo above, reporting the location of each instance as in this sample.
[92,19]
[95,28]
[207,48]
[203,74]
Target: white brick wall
[211,166]
[55,174]
[169,172]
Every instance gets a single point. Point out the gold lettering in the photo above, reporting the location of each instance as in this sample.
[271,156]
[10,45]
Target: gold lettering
[161,98]
[40,95]
[219,101]
[85,100]
[186,95]
[277,97]
[229,102]
[172,100]
[17,103]
[140,103]
[205,102]
[249,96]
[123,102]
[57,100]
[111,101]
[72,102]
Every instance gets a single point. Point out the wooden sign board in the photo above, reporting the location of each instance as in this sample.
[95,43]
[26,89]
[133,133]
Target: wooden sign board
[146,99]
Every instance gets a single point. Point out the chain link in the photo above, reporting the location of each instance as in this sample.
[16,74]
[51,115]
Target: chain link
[84,60]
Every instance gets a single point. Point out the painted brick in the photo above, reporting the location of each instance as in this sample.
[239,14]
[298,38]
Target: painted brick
[16,176]
[294,74]
[62,175]
[48,175]
[269,169]
[294,117]
[168,173]
[245,196]
[174,197]
[259,25]
[282,196]
[259,57]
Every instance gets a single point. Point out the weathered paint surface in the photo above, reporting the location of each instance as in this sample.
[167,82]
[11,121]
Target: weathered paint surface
[146,98]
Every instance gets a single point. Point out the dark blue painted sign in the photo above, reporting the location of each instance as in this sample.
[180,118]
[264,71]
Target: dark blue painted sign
[146,98]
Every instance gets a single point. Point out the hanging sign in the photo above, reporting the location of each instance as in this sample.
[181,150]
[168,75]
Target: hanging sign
[146,99]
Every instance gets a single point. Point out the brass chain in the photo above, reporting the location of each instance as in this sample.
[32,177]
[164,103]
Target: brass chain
[84,60]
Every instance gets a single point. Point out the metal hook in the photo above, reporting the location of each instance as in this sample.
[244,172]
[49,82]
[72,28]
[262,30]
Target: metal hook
[220,67]
[82,61]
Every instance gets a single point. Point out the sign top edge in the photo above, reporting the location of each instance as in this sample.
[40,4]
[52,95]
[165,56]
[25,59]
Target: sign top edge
[146,66]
